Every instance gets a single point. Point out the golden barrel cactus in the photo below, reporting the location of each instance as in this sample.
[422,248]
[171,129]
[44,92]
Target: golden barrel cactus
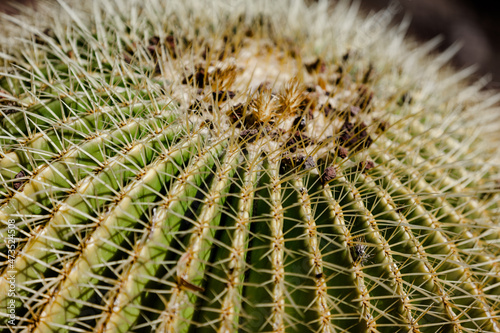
[242,166]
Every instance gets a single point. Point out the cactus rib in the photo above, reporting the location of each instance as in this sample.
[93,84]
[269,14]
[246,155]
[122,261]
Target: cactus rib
[241,166]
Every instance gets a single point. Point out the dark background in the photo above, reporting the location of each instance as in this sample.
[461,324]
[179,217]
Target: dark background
[475,23]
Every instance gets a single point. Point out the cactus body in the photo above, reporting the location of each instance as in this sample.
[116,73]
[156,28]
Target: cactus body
[178,168]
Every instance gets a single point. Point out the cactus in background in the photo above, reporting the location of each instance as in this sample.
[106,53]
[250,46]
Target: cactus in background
[242,166]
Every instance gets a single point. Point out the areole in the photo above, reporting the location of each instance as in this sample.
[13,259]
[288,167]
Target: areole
[246,166]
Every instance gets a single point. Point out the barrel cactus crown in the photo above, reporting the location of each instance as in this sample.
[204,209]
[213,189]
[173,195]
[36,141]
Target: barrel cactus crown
[246,166]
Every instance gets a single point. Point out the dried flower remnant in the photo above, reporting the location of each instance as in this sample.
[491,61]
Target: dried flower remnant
[20,181]
[222,96]
[329,174]
[366,165]
[262,154]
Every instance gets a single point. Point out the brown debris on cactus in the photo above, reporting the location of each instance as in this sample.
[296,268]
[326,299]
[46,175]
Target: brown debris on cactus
[366,165]
[296,162]
[365,98]
[355,136]
[199,78]
[222,96]
[316,65]
[249,135]
[20,180]
[328,175]
[297,140]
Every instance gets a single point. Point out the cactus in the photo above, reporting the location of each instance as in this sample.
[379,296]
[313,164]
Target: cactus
[242,166]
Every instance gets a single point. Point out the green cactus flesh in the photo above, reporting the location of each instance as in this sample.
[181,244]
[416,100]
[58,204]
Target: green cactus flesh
[189,168]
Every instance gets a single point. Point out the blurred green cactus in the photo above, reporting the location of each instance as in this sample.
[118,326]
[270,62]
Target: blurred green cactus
[242,166]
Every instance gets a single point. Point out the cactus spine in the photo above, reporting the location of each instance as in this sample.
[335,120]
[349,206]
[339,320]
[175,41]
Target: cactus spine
[211,167]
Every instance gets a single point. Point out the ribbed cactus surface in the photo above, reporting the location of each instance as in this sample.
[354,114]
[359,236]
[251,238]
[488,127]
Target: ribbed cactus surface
[242,166]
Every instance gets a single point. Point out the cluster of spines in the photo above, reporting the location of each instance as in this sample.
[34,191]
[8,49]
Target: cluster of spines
[160,225]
